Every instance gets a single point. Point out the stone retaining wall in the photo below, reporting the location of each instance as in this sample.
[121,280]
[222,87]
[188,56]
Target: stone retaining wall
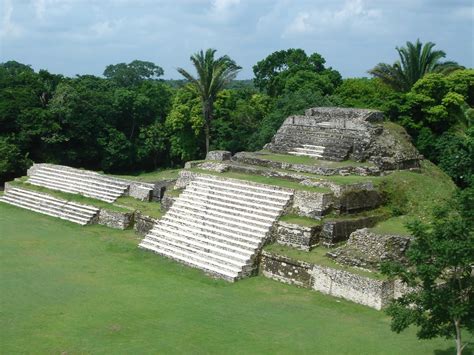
[143,223]
[114,219]
[357,288]
[296,235]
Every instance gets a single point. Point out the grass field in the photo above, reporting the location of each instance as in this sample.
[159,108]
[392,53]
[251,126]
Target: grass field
[67,289]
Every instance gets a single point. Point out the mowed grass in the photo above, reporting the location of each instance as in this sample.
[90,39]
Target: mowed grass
[67,289]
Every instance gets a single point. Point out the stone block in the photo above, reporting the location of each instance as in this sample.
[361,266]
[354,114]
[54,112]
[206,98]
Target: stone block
[296,235]
[114,219]
[218,155]
[143,223]
[285,270]
[312,204]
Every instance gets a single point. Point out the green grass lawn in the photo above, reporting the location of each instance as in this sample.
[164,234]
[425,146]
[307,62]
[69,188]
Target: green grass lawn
[67,289]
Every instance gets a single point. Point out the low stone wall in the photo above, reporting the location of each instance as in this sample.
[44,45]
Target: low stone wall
[368,250]
[312,204]
[255,159]
[359,200]
[339,283]
[114,219]
[218,155]
[143,223]
[335,231]
[295,235]
[352,287]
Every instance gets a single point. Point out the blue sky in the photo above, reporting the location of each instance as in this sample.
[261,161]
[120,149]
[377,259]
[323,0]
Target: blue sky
[84,36]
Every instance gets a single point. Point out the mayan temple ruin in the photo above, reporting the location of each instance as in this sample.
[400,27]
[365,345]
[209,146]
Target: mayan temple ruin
[313,187]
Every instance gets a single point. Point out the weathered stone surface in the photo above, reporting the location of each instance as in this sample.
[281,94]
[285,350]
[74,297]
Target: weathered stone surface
[285,270]
[114,219]
[143,223]
[335,231]
[213,166]
[367,249]
[141,191]
[358,200]
[259,160]
[167,201]
[185,177]
[347,134]
[296,235]
[312,204]
[351,286]
[218,155]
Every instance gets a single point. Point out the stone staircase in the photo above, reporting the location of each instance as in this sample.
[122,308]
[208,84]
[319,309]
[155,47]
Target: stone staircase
[313,151]
[49,205]
[218,225]
[87,183]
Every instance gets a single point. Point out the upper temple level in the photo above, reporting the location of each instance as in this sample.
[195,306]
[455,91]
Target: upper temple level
[338,134]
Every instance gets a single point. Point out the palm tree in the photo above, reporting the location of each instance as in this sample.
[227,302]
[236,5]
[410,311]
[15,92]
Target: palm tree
[416,60]
[212,76]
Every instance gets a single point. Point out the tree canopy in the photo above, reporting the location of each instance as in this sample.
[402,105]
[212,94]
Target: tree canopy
[416,60]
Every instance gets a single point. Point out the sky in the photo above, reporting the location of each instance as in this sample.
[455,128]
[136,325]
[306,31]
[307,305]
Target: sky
[73,37]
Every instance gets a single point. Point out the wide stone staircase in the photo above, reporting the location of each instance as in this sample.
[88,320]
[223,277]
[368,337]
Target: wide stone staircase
[51,206]
[87,183]
[218,225]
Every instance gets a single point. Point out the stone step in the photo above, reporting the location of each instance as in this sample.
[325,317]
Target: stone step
[68,188]
[213,212]
[92,179]
[84,184]
[40,209]
[262,197]
[313,147]
[43,197]
[60,206]
[263,209]
[191,259]
[214,234]
[220,255]
[216,226]
[234,183]
[210,239]
[229,208]
[86,174]
[310,151]
[240,198]
[312,155]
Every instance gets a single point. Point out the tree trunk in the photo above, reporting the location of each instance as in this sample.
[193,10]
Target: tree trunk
[207,111]
[459,346]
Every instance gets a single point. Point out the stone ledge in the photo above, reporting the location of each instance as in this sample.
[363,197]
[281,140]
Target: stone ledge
[113,219]
[338,283]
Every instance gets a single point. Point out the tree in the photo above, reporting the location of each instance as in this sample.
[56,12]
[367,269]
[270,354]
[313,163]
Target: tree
[439,272]
[132,73]
[416,60]
[290,70]
[212,76]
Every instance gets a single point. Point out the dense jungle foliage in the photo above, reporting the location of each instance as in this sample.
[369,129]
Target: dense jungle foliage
[132,120]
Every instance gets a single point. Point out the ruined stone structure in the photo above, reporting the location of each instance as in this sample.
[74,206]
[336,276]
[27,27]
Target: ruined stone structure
[218,218]
[343,133]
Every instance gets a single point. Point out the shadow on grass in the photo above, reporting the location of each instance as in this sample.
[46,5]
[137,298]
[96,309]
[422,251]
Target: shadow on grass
[468,350]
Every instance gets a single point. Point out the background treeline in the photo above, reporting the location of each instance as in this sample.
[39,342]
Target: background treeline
[131,120]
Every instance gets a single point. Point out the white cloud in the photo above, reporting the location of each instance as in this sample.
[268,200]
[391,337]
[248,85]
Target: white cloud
[221,10]
[353,14]
[44,8]
[9,29]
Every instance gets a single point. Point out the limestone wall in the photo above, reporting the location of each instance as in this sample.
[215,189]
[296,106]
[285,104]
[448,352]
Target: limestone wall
[357,288]
[296,236]
[143,223]
[114,219]
[312,204]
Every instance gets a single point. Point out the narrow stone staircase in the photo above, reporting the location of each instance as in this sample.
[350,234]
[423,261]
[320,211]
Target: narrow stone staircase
[48,205]
[218,225]
[313,151]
